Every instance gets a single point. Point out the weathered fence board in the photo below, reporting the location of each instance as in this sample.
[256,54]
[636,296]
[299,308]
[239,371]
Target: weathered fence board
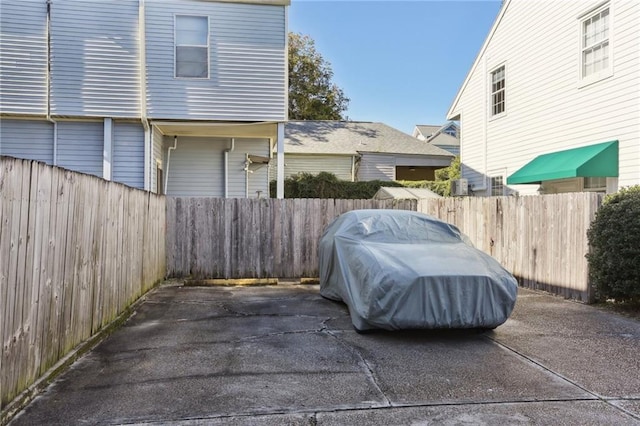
[75,251]
[542,240]
[252,238]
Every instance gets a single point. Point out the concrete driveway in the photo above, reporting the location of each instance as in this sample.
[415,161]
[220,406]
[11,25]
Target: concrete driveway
[284,355]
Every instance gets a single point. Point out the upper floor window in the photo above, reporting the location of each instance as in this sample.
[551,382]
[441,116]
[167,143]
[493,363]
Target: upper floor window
[192,46]
[498,91]
[595,53]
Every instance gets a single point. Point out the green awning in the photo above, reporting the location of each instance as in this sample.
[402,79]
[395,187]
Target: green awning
[599,160]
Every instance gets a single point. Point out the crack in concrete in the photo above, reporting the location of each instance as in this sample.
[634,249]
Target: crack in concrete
[562,377]
[314,412]
[280,333]
[239,313]
[367,368]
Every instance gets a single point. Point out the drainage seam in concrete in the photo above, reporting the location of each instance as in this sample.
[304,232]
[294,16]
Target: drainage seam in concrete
[368,370]
[313,413]
[566,379]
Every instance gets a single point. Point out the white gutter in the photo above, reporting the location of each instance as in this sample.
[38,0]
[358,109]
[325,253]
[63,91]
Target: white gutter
[226,167]
[280,164]
[107,149]
[48,83]
[148,140]
[166,174]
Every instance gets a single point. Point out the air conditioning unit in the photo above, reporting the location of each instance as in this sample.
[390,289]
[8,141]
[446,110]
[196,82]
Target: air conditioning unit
[459,187]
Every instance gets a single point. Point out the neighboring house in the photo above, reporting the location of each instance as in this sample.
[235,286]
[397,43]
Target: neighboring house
[553,106]
[359,151]
[183,97]
[446,137]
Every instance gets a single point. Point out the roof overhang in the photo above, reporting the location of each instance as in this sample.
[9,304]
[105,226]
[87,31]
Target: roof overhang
[453,113]
[264,2]
[423,160]
[267,130]
[599,160]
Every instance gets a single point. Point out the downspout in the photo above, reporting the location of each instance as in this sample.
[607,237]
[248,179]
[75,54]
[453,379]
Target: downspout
[226,167]
[48,83]
[247,163]
[353,168]
[166,174]
[148,140]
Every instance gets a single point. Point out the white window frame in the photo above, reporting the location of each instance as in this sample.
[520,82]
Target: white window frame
[175,47]
[604,72]
[494,70]
[494,178]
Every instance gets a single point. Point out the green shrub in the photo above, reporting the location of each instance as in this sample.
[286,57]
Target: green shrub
[327,185]
[614,236]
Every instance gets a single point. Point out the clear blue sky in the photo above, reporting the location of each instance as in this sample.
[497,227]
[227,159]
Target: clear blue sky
[400,62]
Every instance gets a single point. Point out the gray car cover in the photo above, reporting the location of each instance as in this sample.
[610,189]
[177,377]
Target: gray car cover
[397,269]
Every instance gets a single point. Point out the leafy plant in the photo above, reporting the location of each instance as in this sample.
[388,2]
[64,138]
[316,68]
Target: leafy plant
[442,184]
[614,236]
[312,93]
[327,185]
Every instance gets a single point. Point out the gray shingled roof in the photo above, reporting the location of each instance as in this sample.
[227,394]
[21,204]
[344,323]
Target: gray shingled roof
[427,129]
[444,139]
[352,137]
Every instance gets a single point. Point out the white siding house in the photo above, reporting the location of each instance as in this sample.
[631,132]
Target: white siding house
[445,137]
[359,151]
[109,87]
[552,101]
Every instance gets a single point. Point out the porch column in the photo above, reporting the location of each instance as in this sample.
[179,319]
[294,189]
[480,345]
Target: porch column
[107,151]
[280,156]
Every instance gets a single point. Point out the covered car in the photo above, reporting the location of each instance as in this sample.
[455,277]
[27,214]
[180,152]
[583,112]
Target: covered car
[398,269]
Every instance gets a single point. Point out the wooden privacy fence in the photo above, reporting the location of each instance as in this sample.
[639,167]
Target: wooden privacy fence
[542,240]
[253,238]
[75,251]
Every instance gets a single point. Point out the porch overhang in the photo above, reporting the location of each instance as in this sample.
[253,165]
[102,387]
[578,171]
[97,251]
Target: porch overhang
[218,129]
[599,160]
[273,131]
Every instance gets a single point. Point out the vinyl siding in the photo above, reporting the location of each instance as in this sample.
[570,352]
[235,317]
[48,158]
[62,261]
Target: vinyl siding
[95,58]
[128,154]
[547,110]
[195,167]
[80,146]
[247,63]
[340,165]
[377,167]
[30,139]
[258,180]
[454,149]
[23,57]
